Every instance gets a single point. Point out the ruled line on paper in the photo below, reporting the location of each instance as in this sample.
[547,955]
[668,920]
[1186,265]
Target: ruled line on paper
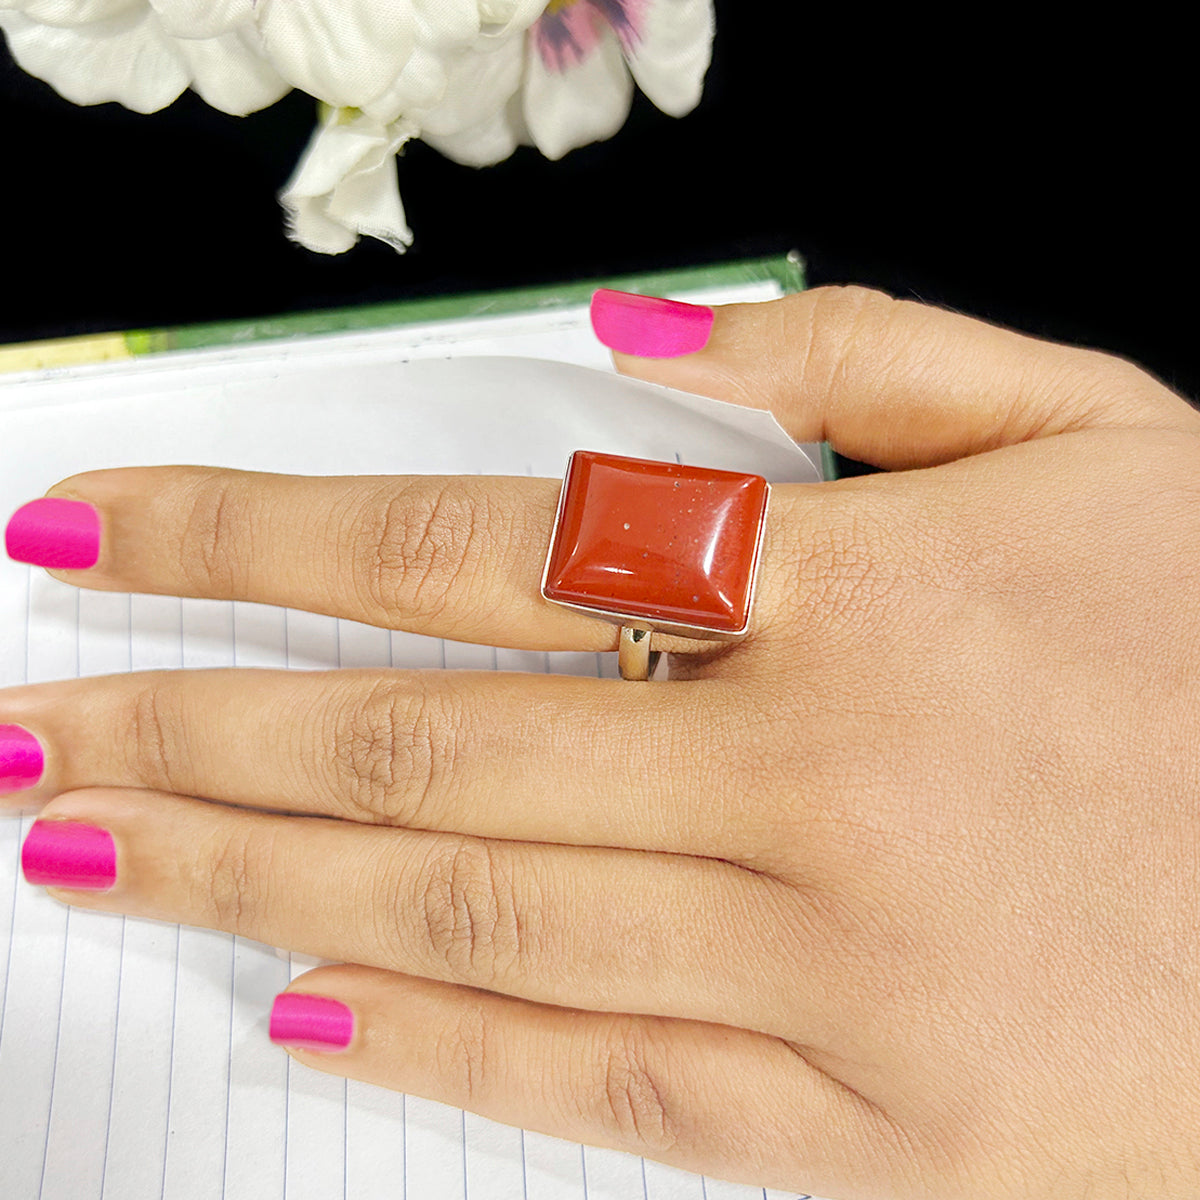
[524,1170]
[228,1067]
[54,1059]
[287,1118]
[162,1187]
[12,917]
[16,827]
[287,1086]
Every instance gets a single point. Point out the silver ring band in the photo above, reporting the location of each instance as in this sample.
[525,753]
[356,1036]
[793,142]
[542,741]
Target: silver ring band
[635,659]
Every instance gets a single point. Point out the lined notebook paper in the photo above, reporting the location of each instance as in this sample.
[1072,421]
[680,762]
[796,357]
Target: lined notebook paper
[134,1059]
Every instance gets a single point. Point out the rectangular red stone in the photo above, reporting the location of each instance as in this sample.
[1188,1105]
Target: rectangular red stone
[664,542]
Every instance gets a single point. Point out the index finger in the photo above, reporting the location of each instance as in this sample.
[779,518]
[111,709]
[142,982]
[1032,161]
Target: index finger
[455,557]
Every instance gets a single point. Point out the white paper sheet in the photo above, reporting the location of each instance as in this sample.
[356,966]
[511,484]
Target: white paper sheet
[134,1059]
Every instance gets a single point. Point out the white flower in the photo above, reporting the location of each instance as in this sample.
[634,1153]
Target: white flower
[474,78]
[143,53]
[567,82]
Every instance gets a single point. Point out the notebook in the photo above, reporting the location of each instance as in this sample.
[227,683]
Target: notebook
[134,1058]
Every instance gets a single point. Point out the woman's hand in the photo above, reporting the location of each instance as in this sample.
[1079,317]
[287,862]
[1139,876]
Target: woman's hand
[898,898]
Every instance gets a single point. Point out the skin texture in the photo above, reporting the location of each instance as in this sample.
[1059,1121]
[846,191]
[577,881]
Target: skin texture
[895,899]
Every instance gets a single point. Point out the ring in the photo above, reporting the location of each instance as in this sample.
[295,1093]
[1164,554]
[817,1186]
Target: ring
[656,547]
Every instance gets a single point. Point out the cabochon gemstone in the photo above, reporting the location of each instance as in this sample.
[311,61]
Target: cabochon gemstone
[663,541]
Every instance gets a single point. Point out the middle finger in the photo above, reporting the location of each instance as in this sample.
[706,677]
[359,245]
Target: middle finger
[455,557]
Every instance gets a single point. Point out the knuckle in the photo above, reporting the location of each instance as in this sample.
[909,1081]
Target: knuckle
[467,912]
[159,734]
[838,322]
[845,306]
[417,553]
[218,513]
[233,887]
[462,1055]
[845,572]
[1100,386]
[393,745]
[632,1096]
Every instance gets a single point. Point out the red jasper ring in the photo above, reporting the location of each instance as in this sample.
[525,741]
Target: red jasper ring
[656,547]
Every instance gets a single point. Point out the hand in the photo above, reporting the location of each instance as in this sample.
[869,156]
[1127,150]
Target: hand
[896,899]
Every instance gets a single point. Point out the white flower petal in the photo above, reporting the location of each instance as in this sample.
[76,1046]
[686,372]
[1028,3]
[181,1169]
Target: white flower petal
[418,86]
[72,12]
[490,141]
[502,17]
[345,185]
[230,72]
[345,54]
[478,87]
[447,31]
[671,56]
[580,103]
[446,23]
[127,58]
[202,18]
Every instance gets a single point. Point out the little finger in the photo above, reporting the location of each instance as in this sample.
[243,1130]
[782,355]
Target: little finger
[588,927]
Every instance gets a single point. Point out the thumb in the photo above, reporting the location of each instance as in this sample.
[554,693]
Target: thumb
[889,382]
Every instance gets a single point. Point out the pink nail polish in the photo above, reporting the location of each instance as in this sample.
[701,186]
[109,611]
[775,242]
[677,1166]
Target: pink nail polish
[649,327]
[311,1022]
[69,854]
[21,760]
[54,533]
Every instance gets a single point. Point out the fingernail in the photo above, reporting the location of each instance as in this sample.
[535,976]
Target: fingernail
[649,327]
[21,761]
[311,1022]
[54,533]
[69,854]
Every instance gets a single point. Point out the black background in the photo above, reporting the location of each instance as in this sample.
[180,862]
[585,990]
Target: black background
[1037,180]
